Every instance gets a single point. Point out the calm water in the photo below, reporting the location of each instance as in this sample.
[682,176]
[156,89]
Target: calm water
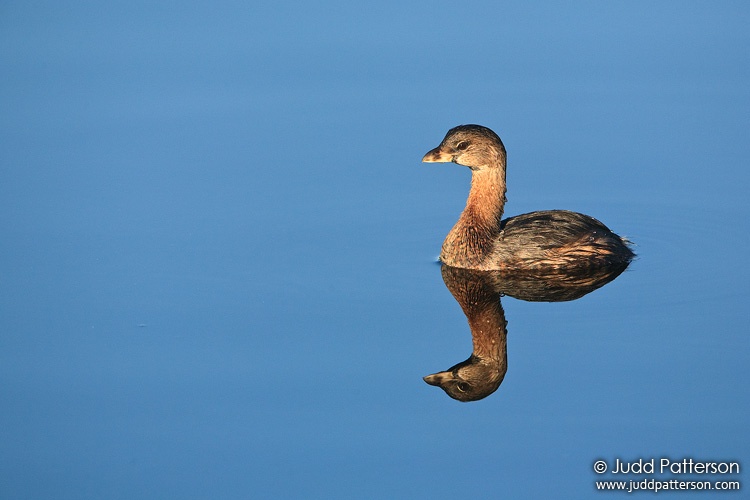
[217,264]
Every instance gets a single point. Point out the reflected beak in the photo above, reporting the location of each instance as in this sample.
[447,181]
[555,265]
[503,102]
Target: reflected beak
[438,378]
[437,156]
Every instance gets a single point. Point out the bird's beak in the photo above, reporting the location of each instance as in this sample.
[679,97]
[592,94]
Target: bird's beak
[438,378]
[437,155]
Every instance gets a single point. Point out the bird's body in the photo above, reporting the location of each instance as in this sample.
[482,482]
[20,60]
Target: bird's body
[481,239]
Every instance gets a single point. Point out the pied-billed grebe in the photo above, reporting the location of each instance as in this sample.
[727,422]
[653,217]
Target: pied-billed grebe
[554,239]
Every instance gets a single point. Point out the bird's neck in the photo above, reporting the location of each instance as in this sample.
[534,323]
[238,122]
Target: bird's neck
[474,235]
[486,198]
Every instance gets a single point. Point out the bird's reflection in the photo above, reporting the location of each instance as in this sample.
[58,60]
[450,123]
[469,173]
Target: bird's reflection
[478,293]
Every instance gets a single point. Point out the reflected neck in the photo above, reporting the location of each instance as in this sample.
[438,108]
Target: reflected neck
[488,330]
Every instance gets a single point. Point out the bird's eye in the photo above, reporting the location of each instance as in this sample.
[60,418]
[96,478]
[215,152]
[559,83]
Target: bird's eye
[462,145]
[463,387]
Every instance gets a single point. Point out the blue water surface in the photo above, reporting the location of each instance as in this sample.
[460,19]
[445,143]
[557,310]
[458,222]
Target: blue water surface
[217,263]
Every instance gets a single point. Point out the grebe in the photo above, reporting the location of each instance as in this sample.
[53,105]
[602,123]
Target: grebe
[548,239]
